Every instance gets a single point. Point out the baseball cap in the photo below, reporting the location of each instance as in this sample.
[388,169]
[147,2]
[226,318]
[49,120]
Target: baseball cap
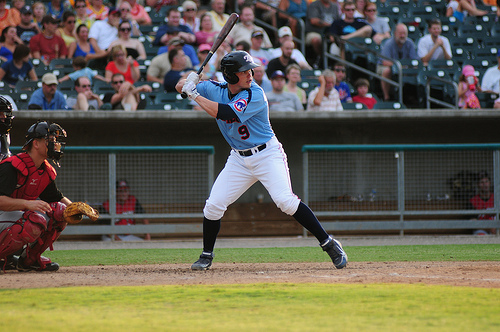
[49,79]
[26,10]
[468,70]
[175,42]
[277,74]
[49,19]
[113,10]
[121,184]
[204,47]
[257,33]
[284,31]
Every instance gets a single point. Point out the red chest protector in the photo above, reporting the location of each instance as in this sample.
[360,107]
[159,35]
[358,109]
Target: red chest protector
[128,207]
[31,181]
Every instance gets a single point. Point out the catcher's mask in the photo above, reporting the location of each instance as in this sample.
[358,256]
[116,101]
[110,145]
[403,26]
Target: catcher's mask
[5,123]
[236,62]
[54,135]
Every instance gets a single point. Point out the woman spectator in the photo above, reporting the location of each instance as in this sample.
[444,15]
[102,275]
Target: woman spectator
[67,29]
[360,8]
[295,8]
[293,77]
[39,12]
[56,8]
[134,47]
[96,10]
[461,8]
[19,67]
[206,33]
[125,15]
[8,42]
[81,14]
[379,24]
[83,47]
[122,64]
[189,15]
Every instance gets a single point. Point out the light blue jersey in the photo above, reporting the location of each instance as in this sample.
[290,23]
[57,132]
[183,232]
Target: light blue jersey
[252,109]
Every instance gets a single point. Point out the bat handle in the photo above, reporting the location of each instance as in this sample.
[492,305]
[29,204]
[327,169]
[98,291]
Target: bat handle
[184,95]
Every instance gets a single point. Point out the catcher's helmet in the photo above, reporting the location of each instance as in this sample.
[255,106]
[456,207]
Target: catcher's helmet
[5,123]
[236,62]
[45,129]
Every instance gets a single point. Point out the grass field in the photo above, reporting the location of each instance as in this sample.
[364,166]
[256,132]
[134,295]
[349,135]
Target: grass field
[258,307]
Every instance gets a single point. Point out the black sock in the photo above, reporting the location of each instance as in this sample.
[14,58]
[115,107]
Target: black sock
[308,220]
[210,231]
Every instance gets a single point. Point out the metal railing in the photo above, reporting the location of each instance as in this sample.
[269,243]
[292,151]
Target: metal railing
[430,99]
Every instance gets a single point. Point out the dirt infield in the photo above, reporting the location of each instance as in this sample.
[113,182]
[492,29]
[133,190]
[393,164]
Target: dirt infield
[472,274]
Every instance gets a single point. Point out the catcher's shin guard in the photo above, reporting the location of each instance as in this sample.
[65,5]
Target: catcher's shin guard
[25,230]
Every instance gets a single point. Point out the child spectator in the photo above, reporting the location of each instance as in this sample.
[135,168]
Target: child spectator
[81,69]
[362,87]
[467,86]
[342,87]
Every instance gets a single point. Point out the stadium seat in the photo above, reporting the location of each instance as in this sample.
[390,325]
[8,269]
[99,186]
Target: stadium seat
[354,106]
[389,105]
[28,86]
[450,66]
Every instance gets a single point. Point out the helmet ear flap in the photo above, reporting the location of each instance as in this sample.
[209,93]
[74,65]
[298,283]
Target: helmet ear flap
[230,78]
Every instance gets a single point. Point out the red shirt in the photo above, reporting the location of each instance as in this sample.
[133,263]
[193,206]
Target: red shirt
[479,204]
[130,206]
[49,48]
[128,74]
[369,102]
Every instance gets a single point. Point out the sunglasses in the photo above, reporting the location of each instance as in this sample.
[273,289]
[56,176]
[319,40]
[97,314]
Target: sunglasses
[349,9]
[339,70]
[190,9]
[78,7]
[124,10]
[117,82]
[370,10]
[71,22]
[125,29]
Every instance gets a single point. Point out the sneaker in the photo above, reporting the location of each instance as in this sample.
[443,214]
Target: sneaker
[204,262]
[334,249]
[49,265]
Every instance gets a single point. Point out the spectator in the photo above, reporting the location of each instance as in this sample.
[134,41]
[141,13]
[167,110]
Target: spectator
[126,95]
[173,25]
[27,28]
[177,71]
[325,97]
[189,16]
[67,29]
[461,8]
[243,46]
[280,100]
[160,64]
[19,68]
[341,86]
[244,29]
[256,50]
[296,9]
[126,204]
[8,17]
[293,77]
[266,11]
[484,200]
[398,47]
[363,96]
[82,16]
[81,69]
[189,50]
[86,99]
[491,81]
[18,5]
[126,16]
[219,18]
[283,61]
[206,34]
[39,12]
[379,24]
[320,16]
[9,40]
[284,34]
[360,8]
[210,69]
[134,46]
[97,11]
[260,77]
[467,87]
[433,46]
[48,97]
[157,4]
[46,45]
[85,47]
[104,32]
[56,8]
[139,13]
[122,63]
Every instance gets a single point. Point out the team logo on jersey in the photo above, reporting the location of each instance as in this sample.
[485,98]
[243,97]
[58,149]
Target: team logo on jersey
[240,105]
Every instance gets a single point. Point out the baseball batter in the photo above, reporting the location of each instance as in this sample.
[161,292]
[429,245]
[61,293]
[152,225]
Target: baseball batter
[242,113]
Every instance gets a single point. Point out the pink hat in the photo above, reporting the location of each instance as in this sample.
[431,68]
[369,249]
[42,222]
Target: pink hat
[204,47]
[468,70]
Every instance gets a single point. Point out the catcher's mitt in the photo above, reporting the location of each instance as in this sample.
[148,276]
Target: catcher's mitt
[74,212]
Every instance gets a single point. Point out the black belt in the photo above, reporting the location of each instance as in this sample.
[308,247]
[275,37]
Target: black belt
[249,152]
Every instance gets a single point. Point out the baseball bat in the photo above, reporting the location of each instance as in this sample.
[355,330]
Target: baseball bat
[231,21]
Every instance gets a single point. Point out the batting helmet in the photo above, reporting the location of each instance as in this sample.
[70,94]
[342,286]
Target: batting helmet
[45,129]
[5,123]
[236,62]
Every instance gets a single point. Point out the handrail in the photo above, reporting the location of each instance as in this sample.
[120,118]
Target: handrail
[437,101]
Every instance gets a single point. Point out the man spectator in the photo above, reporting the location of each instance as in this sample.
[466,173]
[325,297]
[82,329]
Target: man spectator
[126,96]
[48,97]
[160,65]
[104,32]
[283,61]
[398,47]
[260,77]
[27,28]
[284,34]
[324,97]
[341,86]
[244,29]
[8,17]
[219,18]
[491,81]
[177,42]
[47,45]
[433,46]
[256,50]
[177,71]
[173,24]
[320,16]
[138,13]
[484,200]
[280,100]
[97,11]
[86,99]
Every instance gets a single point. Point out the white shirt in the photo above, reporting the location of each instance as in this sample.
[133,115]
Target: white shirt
[491,80]
[103,33]
[329,103]
[296,54]
[425,44]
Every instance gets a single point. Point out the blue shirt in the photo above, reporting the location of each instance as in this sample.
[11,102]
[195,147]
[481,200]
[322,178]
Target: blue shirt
[166,28]
[57,103]
[188,50]
[392,50]
[14,74]
[253,127]
[82,72]
[6,53]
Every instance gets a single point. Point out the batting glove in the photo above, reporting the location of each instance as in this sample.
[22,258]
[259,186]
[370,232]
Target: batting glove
[190,89]
[193,77]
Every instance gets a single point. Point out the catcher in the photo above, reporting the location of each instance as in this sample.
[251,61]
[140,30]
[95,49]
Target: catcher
[27,222]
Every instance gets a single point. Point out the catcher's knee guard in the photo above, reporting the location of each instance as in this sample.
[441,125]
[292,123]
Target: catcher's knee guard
[25,230]
[45,241]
